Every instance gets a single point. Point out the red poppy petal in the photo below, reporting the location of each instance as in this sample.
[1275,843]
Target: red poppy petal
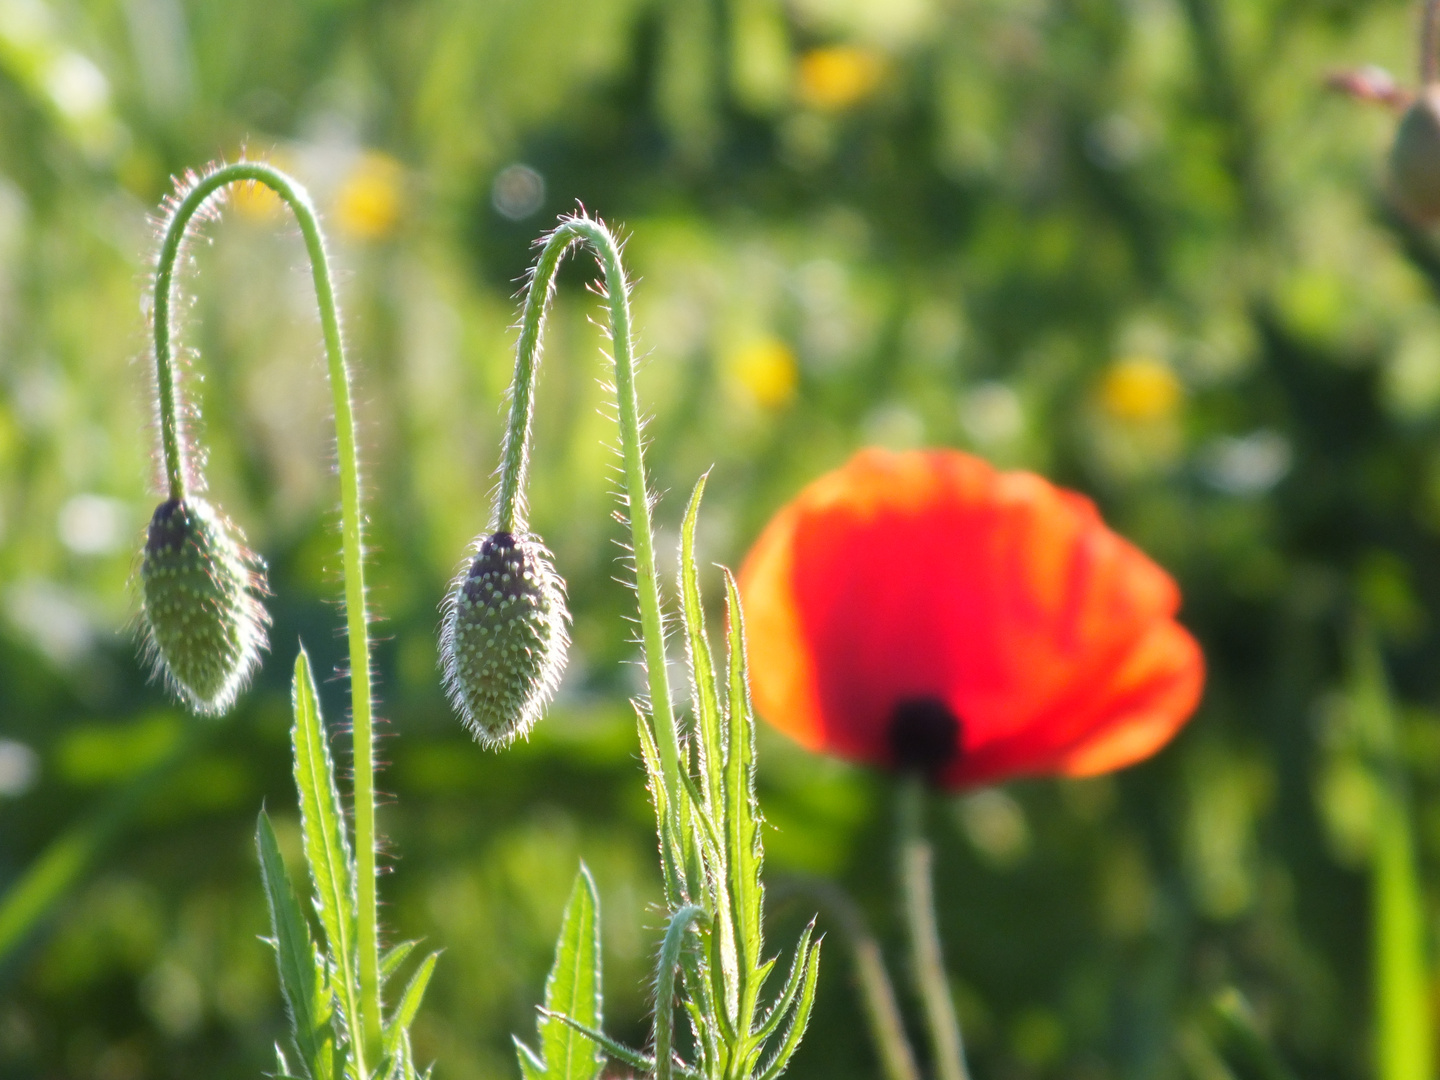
[1126,714]
[905,577]
[781,676]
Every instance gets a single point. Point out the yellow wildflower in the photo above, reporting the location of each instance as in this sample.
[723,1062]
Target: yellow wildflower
[368,203]
[837,77]
[1139,389]
[767,370]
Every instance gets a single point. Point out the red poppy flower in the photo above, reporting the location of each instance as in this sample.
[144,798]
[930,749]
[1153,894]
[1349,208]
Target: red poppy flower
[926,612]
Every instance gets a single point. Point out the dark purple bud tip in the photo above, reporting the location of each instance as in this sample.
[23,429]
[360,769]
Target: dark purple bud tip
[504,639]
[200,592]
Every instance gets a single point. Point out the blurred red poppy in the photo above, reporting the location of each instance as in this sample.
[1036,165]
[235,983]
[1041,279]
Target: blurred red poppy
[925,612]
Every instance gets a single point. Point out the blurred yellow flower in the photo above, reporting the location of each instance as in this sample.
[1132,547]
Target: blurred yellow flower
[766,368]
[367,206]
[838,76]
[1140,388]
[255,201]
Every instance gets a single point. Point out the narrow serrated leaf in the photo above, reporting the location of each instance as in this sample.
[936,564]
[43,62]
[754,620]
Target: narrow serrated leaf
[392,959]
[713,807]
[660,797]
[327,845]
[787,993]
[745,853]
[702,668]
[532,1066]
[573,988]
[799,1017]
[409,1005]
[301,971]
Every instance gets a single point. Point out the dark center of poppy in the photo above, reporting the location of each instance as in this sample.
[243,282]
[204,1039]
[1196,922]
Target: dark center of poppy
[924,737]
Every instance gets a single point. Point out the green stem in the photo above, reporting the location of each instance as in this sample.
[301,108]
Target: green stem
[918,899]
[509,505]
[176,471]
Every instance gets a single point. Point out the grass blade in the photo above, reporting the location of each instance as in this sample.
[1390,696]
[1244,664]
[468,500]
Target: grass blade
[301,973]
[327,846]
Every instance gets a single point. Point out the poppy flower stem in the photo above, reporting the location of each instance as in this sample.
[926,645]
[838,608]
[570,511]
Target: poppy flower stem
[917,889]
[514,462]
[178,471]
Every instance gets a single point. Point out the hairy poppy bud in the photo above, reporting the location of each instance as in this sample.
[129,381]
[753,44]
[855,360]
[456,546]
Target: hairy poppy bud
[199,584]
[1415,159]
[504,638]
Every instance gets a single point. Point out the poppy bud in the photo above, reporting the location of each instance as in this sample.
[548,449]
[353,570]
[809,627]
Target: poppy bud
[1415,159]
[199,584]
[504,638]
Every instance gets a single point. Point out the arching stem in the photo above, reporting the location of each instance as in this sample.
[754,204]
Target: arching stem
[177,471]
[509,504]
[917,889]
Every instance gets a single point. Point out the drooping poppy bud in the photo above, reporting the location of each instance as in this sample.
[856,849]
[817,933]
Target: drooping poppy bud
[505,636]
[1415,159]
[203,619]
[924,612]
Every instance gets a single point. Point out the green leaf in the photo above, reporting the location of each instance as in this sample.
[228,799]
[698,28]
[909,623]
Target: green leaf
[302,973]
[409,1005]
[393,958]
[799,1018]
[745,852]
[573,988]
[660,796]
[702,667]
[712,761]
[532,1066]
[327,845]
[787,993]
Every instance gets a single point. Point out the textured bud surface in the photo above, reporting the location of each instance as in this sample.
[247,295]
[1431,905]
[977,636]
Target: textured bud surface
[204,623]
[504,638]
[1415,159]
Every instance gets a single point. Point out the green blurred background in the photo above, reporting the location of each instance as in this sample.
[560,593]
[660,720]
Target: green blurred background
[1133,244]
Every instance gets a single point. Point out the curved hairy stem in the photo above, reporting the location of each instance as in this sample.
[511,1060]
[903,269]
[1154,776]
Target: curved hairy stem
[177,471]
[509,505]
[670,949]
[918,898]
